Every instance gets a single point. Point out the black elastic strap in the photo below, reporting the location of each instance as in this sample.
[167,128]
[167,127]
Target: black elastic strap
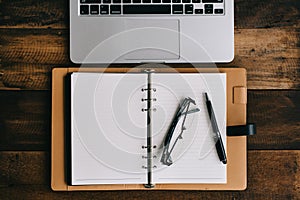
[243,130]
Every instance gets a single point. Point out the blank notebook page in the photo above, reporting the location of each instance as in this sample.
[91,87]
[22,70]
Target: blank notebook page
[108,128]
[195,159]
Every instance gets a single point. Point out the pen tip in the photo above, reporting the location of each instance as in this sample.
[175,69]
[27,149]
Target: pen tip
[224,161]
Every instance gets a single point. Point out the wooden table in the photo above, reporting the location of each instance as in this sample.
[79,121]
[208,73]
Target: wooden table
[34,38]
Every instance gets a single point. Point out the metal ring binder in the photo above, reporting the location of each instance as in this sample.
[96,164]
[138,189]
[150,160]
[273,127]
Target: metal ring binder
[149,99]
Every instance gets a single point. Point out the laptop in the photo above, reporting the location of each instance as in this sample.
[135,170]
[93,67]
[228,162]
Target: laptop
[146,31]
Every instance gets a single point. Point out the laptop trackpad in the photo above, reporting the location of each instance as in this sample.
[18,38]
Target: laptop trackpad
[151,39]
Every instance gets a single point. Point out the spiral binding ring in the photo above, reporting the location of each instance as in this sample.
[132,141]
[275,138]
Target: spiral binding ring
[146,157]
[146,147]
[145,89]
[154,99]
[154,167]
[145,109]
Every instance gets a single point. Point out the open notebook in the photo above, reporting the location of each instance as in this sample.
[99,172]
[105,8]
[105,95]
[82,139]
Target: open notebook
[114,116]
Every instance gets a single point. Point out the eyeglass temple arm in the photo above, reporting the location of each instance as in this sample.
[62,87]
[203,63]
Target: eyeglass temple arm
[166,157]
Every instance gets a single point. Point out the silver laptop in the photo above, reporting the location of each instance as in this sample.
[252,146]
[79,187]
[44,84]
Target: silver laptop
[143,31]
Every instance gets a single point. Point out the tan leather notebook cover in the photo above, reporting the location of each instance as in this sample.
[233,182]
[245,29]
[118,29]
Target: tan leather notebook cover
[236,146]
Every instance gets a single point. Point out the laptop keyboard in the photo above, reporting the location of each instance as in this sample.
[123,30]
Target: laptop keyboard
[137,7]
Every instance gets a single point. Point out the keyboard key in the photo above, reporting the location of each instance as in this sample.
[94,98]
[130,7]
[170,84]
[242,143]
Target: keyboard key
[208,6]
[90,1]
[136,1]
[176,1]
[198,11]
[106,1]
[126,1]
[146,1]
[218,11]
[104,9]
[156,1]
[196,1]
[94,10]
[147,9]
[84,9]
[209,11]
[116,1]
[212,1]
[177,9]
[189,8]
[166,1]
[115,9]
[186,1]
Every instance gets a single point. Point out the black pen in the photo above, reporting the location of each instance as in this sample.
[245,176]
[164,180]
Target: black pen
[218,139]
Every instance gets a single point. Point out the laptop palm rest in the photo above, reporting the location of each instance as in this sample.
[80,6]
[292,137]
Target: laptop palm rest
[151,39]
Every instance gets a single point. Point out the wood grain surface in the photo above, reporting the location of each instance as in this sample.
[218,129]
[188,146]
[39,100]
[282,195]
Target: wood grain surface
[29,54]
[34,38]
[272,175]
